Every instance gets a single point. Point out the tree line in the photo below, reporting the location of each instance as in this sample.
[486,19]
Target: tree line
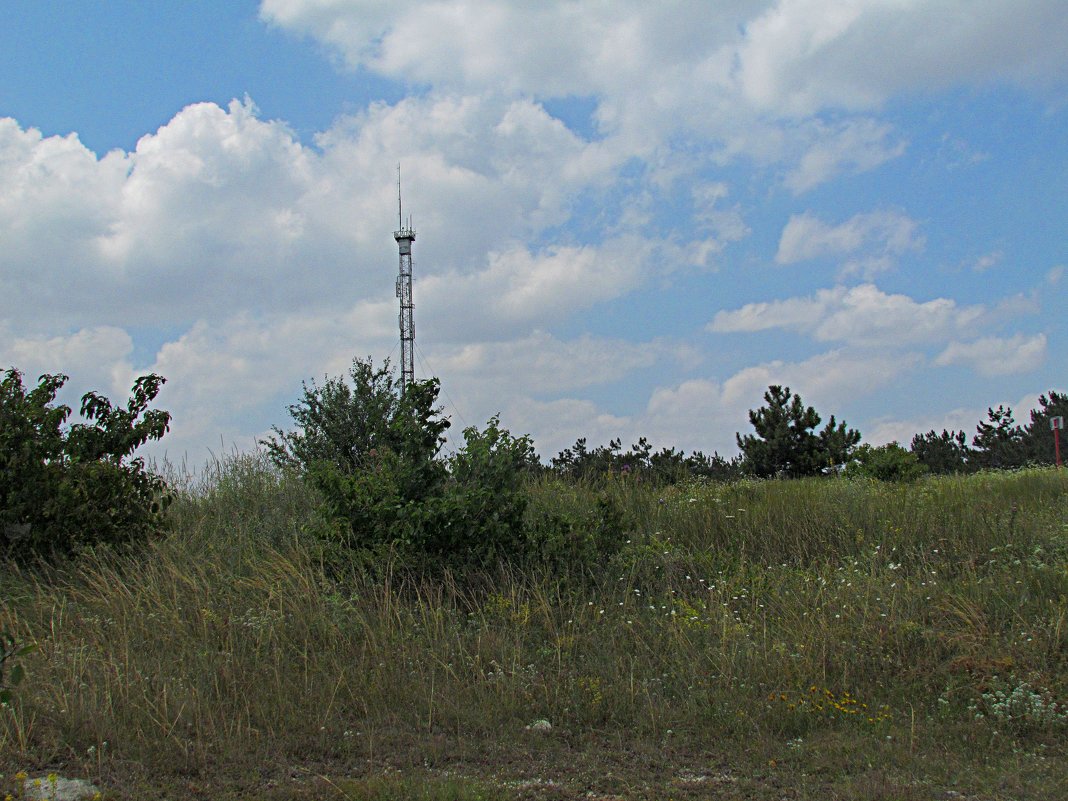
[373,450]
[788,442]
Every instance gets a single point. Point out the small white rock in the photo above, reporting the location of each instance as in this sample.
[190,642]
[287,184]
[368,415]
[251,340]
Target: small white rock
[59,789]
[540,725]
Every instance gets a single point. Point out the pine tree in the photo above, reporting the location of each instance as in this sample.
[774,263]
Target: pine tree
[943,453]
[1037,439]
[998,441]
[786,443]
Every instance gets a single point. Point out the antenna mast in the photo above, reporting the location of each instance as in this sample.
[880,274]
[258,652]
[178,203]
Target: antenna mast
[405,235]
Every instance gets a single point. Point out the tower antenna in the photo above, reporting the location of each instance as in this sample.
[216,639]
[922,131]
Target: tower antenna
[405,235]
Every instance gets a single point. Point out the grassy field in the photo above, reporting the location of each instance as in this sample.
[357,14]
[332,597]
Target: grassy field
[823,639]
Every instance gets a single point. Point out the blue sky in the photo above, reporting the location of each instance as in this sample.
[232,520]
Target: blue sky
[631,217]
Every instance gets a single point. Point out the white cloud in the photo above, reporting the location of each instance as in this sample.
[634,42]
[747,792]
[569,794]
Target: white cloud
[886,430]
[542,364]
[519,290]
[862,315]
[987,260]
[790,56]
[219,211]
[699,413]
[165,233]
[556,424]
[704,414]
[724,225]
[855,146]
[825,380]
[531,381]
[97,359]
[541,49]
[803,55]
[870,240]
[994,356]
[723,79]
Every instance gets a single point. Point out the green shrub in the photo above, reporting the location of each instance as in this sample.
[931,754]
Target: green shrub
[63,487]
[484,500]
[574,530]
[888,462]
[370,447]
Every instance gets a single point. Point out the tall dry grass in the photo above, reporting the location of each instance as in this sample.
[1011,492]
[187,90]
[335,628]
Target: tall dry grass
[734,611]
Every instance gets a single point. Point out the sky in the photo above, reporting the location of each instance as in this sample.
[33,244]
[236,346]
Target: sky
[631,217]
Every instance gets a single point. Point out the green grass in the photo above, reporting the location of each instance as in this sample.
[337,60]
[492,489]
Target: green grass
[802,639]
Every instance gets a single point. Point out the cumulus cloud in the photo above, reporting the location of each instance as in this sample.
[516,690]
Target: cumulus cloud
[536,382]
[884,430]
[745,77]
[868,242]
[557,423]
[207,204]
[540,363]
[539,49]
[704,414]
[97,359]
[791,56]
[220,211]
[226,380]
[804,55]
[861,315]
[994,356]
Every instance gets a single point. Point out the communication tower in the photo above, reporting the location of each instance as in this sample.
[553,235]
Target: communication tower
[405,235]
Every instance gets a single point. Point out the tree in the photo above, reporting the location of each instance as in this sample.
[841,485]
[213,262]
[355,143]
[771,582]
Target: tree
[998,441]
[786,443]
[1037,437]
[373,452]
[62,487]
[943,453]
[354,424]
[640,462]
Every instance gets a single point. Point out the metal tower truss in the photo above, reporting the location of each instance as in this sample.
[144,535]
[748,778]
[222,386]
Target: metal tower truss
[405,235]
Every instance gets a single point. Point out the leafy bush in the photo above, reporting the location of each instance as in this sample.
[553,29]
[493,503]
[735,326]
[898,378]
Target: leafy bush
[62,487]
[888,462]
[573,533]
[485,499]
[372,450]
[353,424]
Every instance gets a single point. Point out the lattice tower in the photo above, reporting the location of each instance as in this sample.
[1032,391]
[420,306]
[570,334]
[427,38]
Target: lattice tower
[405,235]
